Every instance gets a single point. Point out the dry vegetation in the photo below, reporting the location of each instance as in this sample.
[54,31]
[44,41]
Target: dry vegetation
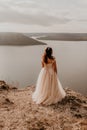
[18,112]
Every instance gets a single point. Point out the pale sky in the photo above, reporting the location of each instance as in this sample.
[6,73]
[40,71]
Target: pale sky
[43,15]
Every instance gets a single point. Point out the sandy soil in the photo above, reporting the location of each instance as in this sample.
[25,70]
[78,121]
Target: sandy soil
[19,112]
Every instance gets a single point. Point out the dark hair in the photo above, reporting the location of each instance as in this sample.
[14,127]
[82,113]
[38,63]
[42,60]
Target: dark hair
[48,54]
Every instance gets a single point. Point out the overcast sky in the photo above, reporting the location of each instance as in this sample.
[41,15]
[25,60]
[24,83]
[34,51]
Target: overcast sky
[43,15]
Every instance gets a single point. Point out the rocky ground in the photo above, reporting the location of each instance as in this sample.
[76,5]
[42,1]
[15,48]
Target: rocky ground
[19,112]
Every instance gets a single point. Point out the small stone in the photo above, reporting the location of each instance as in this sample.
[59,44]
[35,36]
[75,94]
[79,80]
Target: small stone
[78,115]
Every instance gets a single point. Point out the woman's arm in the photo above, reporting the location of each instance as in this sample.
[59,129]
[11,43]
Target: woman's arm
[55,66]
[42,61]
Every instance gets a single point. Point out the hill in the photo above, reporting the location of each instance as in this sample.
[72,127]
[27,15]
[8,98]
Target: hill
[62,36]
[19,112]
[17,39]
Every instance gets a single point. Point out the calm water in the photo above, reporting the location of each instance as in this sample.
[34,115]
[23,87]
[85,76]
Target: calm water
[21,65]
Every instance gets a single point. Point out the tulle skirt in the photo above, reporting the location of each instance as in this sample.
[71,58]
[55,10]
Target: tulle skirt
[48,88]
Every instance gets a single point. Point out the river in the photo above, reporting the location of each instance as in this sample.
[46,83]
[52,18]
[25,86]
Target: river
[20,65]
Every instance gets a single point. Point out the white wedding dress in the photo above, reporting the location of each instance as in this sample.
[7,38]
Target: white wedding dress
[48,88]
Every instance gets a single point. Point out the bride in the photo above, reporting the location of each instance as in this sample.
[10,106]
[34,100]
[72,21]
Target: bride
[48,88]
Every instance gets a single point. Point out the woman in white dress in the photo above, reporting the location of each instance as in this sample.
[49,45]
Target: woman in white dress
[48,88]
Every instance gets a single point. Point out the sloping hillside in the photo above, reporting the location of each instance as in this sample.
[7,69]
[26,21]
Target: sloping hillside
[19,112]
[17,39]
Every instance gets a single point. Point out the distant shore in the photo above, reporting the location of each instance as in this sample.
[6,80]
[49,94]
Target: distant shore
[64,36]
[22,39]
[17,39]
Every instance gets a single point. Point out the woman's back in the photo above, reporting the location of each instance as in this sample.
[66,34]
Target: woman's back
[50,63]
[48,88]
